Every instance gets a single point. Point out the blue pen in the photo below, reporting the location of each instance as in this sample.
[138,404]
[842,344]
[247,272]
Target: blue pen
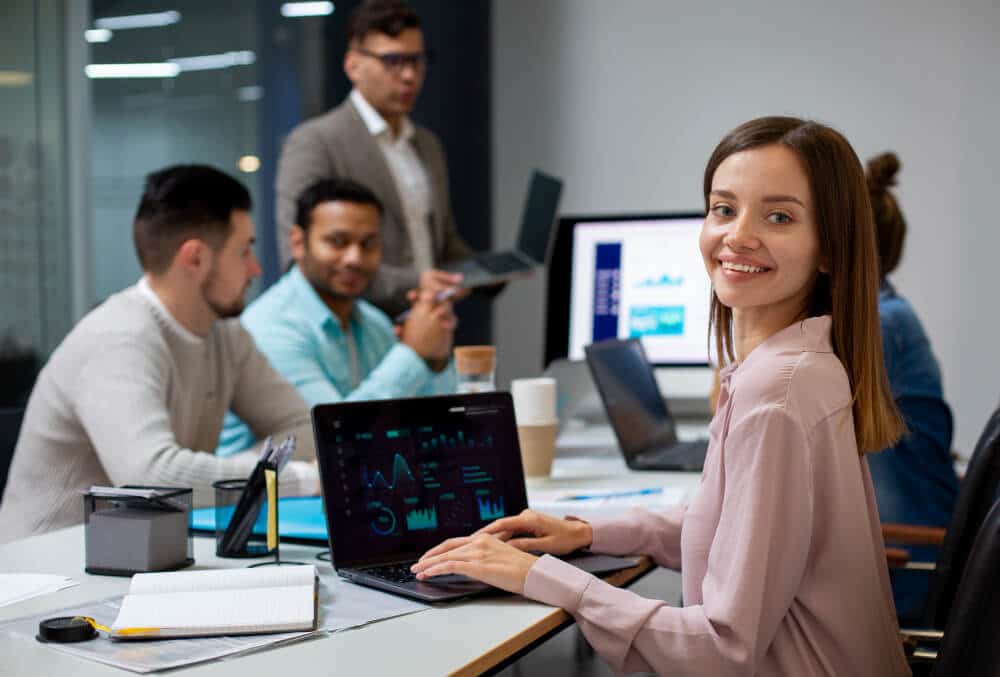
[615,494]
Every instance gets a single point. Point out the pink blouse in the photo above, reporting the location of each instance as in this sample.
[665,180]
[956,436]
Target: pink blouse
[780,549]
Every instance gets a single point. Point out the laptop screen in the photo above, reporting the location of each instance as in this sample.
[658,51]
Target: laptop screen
[633,401]
[539,216]
[400,476]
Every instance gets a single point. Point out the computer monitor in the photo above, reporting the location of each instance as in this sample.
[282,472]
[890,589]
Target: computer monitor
[630,276]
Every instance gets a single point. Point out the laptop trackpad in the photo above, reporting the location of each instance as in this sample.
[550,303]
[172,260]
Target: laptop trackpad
[448,579]
[450,584]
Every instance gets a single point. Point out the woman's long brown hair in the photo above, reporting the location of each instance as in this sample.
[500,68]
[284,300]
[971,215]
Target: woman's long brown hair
[848,248]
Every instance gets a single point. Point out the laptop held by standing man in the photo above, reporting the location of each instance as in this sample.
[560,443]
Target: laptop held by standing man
[534,244]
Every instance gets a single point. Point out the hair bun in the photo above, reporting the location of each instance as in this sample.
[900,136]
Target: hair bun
[882,171]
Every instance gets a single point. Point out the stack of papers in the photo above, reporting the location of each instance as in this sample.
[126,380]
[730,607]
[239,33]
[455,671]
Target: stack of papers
[601,503]
[342,605]
[18,587]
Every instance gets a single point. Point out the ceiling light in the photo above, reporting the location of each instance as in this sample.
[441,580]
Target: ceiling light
[97,35]
[132,70]
[299,9]
[214,61]
[154,20]
[249,164]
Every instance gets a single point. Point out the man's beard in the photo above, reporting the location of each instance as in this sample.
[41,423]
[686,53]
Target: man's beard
[316,276]
[222,310]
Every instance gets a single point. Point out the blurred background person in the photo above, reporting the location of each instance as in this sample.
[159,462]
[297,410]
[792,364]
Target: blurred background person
[319,333]
[915,480]
[370,138]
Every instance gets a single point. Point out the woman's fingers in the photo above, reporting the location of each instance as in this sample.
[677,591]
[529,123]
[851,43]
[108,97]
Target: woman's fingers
[529,544]
[450,544]
[511,524]
[451,566]
[462,551]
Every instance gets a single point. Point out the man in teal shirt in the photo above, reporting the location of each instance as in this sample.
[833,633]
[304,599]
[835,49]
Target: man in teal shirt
[321,335]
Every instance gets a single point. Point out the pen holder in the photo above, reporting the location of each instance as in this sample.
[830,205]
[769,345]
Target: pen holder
[227,497]
[262,522]
[125,535]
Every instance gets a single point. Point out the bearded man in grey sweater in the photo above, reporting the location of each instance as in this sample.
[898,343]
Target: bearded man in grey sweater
[137,391]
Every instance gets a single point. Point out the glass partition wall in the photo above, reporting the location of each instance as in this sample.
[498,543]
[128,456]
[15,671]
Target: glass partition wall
[35,266]
[171,83]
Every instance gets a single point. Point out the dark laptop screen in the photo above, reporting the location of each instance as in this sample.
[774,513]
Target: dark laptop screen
[400,476]
[539,216]
[633,401]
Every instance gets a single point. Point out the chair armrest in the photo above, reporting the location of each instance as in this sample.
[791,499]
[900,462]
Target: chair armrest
[915,647]
[912,534]
[922,634]
[896,558]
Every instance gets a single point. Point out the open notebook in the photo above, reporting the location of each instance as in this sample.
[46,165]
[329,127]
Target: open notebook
[219,602]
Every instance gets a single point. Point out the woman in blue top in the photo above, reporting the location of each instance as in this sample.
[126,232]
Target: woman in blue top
[915,481]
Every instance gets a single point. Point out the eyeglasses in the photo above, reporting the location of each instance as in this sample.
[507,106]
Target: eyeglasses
[395,62]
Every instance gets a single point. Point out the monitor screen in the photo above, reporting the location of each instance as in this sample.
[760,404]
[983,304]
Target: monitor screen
[640,277]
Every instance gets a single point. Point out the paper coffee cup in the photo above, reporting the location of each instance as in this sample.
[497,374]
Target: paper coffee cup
[534,401]
[538,448]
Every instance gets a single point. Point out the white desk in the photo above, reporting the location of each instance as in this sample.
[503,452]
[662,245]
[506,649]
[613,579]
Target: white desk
[463,638]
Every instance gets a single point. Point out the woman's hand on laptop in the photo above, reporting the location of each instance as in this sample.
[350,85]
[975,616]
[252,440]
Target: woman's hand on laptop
[537,532]
[483,557]
[498,553]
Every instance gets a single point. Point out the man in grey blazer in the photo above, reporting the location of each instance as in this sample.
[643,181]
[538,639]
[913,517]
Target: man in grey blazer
[369,138]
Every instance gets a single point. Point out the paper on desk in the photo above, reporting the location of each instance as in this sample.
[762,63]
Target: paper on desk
[17,587]
[607,502]
[342,605]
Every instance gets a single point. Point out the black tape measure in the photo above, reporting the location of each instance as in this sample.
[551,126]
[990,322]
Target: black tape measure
[66,629]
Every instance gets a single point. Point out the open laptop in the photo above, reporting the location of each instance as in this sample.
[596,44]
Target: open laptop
[401,476]
[534,244]
[638,413]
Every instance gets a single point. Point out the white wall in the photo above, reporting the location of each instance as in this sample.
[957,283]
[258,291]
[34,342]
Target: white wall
[626,100]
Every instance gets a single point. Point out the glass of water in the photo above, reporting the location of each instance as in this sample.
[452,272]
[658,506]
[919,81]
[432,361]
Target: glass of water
[476,368]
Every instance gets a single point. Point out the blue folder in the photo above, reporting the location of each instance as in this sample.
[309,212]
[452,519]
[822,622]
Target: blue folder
[299,517]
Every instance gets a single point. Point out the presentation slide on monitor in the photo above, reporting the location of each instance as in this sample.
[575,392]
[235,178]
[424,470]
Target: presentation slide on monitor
[641,279]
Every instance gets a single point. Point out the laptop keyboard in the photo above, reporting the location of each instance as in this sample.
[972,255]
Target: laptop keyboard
[498,264]
[397,573]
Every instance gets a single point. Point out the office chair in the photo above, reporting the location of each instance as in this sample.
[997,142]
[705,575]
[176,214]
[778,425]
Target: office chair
[10,427]
[975,499]
[968,644]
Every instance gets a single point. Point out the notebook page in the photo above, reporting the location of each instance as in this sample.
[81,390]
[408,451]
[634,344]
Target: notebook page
[223,579]
[280,609]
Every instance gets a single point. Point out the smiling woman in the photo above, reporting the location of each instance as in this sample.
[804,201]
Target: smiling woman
[821,226]
[780,550]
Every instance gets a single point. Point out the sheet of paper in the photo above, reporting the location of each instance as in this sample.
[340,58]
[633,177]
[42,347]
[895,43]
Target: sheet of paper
[604,502]
[17,587]
[118,492]
[343,605]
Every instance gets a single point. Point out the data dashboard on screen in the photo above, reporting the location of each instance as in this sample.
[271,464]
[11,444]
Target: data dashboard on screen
[641,278]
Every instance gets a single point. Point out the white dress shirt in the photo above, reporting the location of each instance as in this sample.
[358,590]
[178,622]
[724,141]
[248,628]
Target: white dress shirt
[409,175]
